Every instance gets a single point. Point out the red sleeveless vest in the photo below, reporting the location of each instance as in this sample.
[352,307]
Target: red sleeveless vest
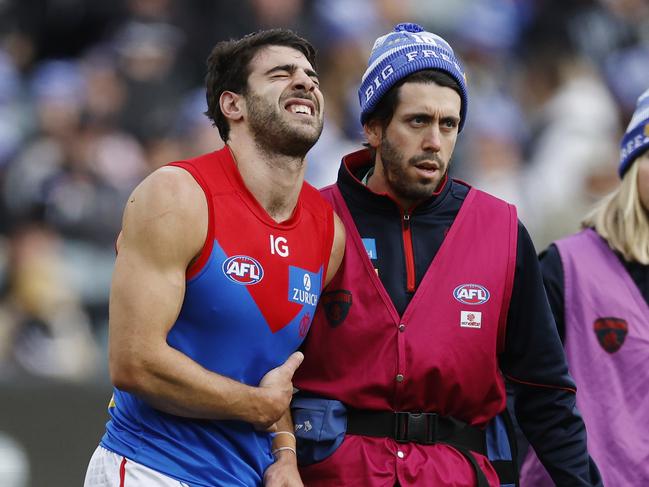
[440,356]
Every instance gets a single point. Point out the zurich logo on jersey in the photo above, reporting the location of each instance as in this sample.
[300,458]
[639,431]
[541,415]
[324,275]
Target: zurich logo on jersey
[243,270]
[471,294]
[303,286]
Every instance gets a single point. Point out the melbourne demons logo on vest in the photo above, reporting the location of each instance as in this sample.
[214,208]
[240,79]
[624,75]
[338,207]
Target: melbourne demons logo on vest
[610,333]
[243,270]
[336,305]
[471,294]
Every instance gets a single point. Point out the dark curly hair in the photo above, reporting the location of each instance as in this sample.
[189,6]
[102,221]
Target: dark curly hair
[228,67]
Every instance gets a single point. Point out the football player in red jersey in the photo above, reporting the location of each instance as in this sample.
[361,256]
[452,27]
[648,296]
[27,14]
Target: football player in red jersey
[203,320]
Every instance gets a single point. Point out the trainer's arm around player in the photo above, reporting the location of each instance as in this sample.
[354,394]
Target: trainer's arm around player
[164,229]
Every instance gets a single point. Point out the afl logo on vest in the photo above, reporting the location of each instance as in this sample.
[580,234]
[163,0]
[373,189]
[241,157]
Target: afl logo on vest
[243,270]
[471,294]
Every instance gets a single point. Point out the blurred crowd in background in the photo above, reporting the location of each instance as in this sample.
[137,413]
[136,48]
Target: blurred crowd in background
[94,95]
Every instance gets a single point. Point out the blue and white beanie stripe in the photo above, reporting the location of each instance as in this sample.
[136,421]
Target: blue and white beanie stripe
[400,53]
[636,138]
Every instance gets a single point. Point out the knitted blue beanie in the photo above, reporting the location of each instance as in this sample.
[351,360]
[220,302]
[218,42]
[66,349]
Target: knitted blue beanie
[400,53]
[636,138]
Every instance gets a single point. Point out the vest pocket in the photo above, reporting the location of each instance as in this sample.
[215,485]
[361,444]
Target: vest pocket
[320,426]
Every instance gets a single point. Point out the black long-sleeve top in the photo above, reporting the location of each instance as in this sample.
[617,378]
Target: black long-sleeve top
[533,357]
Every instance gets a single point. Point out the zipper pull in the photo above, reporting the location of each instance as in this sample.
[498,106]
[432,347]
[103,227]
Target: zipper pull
[406,220]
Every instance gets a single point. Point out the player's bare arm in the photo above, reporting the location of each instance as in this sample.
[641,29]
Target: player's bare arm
[337,249]
[164,229]
[284,472]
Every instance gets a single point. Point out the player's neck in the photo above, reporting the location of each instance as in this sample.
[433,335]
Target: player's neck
[274,180]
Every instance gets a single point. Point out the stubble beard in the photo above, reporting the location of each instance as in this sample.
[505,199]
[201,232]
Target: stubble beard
[273,134]
[405,186]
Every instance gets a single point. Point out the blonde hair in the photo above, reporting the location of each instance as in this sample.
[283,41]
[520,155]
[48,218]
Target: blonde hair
[621,220]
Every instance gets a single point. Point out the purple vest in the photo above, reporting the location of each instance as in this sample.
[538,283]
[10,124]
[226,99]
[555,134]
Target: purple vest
[607,347]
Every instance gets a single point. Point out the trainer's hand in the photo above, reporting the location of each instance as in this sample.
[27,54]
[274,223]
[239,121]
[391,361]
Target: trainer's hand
[284,472]
[277,387]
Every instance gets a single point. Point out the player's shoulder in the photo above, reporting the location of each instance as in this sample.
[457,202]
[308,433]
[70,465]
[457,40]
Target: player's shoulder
[170,185]
[169,195]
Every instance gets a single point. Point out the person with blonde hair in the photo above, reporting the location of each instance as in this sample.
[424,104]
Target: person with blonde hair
[597,283]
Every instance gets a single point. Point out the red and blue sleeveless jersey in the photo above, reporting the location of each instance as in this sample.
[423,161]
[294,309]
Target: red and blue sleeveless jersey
[249,300]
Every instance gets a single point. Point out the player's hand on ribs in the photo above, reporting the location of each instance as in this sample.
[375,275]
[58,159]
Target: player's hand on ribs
[278,388]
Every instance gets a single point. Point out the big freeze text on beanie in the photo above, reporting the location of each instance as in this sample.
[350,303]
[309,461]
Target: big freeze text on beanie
[406,50]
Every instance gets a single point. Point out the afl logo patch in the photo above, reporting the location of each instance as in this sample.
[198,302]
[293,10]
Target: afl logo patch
[471,294]
[243,270]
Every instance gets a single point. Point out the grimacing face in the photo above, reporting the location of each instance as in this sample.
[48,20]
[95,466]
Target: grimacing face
[414,150]
[284,102]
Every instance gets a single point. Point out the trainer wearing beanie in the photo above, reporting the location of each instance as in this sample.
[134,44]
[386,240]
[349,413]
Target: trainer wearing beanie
[397,55]
[605,328]
[438,299]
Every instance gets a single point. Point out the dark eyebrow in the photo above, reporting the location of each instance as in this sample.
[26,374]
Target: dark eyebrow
[424,116]
[428,117]
[452,118]
[291,68]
